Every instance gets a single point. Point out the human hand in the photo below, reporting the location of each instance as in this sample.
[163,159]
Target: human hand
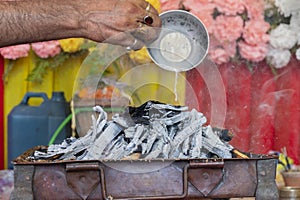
[112,21]
[130,23]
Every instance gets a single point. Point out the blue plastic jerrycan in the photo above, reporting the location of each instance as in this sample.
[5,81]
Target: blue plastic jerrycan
[30,126]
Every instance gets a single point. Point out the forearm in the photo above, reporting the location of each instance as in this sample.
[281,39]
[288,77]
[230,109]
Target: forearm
[37,20]
[112,21]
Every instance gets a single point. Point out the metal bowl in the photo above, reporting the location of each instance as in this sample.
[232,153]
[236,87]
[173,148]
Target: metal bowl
[289,193]
[291,178]
[182,44]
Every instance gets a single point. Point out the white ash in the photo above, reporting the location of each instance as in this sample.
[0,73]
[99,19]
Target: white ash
[168,133]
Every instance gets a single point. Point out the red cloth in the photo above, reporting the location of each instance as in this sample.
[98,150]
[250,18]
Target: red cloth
[262,108]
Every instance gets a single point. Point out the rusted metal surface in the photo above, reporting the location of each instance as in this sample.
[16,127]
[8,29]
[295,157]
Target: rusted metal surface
[178,179]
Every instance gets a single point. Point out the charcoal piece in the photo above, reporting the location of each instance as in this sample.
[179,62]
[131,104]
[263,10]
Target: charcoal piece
[152,109]
[110,146]
[157,150]
[103,140]
[213,144]
[189,130]
[172,130]
[224,134]
[196,145]
[133,145]
[166,150]
[118,152]
[178,118]
[123,120]
[186,146]
[154,130]
[150,141]
[130,132]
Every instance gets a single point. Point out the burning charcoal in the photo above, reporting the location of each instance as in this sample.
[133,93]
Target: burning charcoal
[129,132]
[150,141]
[111,145]
[153,130]
[213,144]
[65,144]
[172,131]
[166,150]
[140,115]
[157,150]
[150,110]
[161,130]
[102,118]
[161,106]
[133,145]
[175,119]
[103,140]
[118,151]
[186,146]
[182,156]
[123,120]
[78,146]
[223,134]
[196,145]
[189,130]
[144,148]
[81,156]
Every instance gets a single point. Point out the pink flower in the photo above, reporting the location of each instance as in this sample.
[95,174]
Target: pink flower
[255,32]
[203,9]
[46,49]
[15,52]
[255,9]
[221,53]
[228,28]
[199,6]
[230,48]
[254,53]
[169,5]
[219,56]
[230,7]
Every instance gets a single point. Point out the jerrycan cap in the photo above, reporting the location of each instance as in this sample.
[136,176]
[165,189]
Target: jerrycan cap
[58,96]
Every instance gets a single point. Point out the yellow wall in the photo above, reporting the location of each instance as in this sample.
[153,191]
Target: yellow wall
[16,86]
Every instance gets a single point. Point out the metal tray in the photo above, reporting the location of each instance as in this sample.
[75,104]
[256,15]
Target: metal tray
[177,179]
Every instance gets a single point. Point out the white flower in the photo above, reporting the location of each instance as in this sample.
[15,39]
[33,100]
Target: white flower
[298,54]
[288,7]
[283,37]
[295,24]
[278,57]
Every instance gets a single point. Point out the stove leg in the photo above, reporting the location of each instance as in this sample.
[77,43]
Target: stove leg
[23,176]
[266,185]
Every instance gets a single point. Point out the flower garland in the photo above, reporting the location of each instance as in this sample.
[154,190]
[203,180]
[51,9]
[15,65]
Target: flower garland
[240,30]
[284,16]
[247,30]
[236,27]
[48,54]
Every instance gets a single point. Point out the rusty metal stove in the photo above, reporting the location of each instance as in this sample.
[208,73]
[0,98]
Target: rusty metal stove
[177,179]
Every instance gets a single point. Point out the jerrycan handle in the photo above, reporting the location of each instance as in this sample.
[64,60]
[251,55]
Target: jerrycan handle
[28,95]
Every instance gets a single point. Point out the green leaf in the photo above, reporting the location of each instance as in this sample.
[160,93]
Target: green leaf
[9,67]
[42,65]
